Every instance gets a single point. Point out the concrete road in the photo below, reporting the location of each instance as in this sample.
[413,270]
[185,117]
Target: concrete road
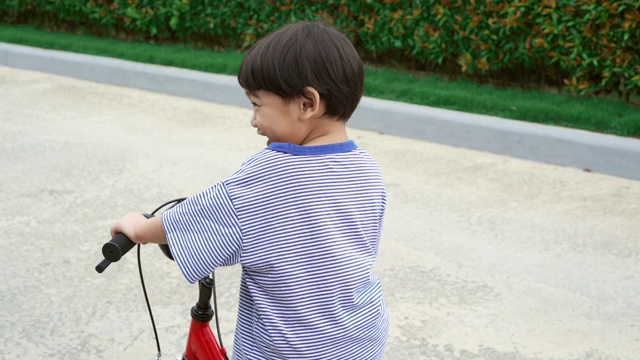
[483,256]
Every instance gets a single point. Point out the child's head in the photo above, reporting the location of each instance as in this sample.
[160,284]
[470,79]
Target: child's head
[306,54]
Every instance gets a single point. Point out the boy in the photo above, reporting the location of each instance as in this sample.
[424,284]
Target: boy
[302,216]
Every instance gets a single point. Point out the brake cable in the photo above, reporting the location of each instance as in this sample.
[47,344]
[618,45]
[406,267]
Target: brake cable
[144,289]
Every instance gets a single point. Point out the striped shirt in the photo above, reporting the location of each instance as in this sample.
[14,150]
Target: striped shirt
[305,223]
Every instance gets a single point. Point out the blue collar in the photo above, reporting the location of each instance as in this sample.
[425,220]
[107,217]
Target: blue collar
[313,150]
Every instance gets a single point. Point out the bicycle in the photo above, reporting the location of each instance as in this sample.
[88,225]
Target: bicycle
[201,343]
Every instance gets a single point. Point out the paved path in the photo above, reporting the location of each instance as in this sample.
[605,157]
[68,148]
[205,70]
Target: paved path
[483,256]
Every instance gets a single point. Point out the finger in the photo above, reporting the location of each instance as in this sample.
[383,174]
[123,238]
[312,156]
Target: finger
[114,230]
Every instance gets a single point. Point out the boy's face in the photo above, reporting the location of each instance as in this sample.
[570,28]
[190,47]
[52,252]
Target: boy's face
[276,119]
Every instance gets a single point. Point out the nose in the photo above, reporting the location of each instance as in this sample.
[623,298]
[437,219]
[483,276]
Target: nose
[253,121]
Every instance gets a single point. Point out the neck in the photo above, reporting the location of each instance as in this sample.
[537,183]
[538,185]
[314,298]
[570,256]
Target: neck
[328,131]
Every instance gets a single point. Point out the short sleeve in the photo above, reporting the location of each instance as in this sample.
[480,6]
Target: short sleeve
[204,233]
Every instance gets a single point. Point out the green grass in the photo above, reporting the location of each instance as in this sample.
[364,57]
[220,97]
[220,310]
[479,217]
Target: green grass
[610,116]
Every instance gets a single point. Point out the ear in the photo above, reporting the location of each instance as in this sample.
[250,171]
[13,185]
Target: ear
[311,105]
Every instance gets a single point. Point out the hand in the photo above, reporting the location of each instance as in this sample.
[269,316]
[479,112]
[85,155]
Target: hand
[127,225]
[139,229]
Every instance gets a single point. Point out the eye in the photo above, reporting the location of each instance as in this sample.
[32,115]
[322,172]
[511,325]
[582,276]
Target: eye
[254,104]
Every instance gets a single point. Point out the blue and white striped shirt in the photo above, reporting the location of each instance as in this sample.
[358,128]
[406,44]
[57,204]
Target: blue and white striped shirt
[305,223]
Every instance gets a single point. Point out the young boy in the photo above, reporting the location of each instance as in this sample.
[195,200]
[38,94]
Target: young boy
[302,216]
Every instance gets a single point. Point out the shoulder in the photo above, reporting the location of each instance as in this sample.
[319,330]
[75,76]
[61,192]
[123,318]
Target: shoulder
[268,165]
[263,161]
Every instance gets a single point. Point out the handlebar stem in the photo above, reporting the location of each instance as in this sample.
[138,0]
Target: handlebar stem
[202,311]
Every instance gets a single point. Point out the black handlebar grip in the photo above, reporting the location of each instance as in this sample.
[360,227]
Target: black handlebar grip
[117,247]
[102,266]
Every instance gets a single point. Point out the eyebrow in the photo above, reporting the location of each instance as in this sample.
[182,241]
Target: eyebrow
[252,93]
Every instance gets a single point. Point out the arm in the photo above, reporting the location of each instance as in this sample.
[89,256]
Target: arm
[140,229]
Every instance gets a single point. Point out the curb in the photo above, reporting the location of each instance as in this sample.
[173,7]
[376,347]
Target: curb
[607,154]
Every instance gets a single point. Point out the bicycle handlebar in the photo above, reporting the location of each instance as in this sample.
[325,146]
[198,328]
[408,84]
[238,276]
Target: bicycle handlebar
[114,250]
[120,245]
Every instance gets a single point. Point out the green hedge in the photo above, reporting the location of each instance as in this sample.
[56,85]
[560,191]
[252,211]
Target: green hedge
[583,46]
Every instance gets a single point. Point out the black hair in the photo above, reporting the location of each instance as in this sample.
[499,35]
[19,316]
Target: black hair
[305,54]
